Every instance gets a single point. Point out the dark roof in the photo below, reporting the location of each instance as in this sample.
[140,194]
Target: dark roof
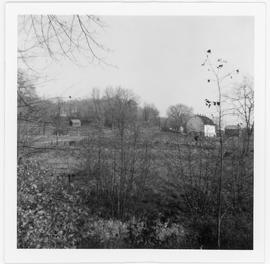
[206,120]
[232,127]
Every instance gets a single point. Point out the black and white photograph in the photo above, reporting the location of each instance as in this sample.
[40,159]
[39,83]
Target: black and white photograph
[135,132]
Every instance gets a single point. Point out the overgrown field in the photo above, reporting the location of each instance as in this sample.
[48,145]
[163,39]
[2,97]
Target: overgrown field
[143,189]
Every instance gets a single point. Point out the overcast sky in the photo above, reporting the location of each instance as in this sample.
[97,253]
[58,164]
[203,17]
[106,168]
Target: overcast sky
[159,59]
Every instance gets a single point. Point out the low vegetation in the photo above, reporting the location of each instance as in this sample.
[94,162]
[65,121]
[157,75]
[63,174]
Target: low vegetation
[166,197]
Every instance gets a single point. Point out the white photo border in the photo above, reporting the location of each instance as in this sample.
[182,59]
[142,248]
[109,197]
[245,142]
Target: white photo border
[14,255]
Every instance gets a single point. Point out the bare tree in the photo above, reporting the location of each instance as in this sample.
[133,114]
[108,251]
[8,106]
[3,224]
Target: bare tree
[98,107]
[242,101]
[27,109]
[121,107]
[149,114]
[178,115]
[216,69]
[54,36]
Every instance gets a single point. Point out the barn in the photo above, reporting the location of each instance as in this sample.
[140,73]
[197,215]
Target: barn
[202,125]
[75,122]
[232,131]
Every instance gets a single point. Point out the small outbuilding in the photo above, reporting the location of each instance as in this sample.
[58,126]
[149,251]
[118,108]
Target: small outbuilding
[75,122]
[232,130]
[201,125]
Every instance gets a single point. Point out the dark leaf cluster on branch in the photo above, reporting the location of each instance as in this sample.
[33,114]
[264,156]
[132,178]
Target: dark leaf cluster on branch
[209,103]
[220,65]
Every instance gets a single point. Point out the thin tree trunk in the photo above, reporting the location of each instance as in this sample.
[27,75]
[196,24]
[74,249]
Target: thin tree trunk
[219,203]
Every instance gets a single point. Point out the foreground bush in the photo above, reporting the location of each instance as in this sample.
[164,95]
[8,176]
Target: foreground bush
[53,215]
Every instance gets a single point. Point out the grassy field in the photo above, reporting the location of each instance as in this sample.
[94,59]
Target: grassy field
[150,189]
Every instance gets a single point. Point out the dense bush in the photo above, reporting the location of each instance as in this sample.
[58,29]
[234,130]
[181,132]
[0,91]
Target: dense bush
[54,215]
[46,209]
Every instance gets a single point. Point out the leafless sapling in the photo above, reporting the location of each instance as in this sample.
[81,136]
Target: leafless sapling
[216,69]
